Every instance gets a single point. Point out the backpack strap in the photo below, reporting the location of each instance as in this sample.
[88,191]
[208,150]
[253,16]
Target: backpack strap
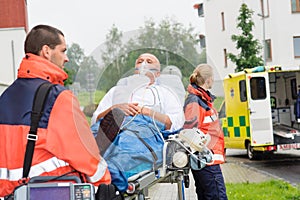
[36,114]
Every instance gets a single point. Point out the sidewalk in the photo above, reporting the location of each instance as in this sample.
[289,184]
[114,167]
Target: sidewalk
[232,172]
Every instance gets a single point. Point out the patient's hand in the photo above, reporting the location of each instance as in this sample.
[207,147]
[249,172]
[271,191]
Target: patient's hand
[128,108]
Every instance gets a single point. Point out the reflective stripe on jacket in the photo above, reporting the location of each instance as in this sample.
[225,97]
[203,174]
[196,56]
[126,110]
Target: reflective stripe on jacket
[65,142]
[200,113]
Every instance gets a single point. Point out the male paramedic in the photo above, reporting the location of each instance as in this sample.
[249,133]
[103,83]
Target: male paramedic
[65,144]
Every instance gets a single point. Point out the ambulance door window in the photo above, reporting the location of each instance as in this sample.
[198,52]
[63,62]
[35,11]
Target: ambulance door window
[243,91]
[258,88]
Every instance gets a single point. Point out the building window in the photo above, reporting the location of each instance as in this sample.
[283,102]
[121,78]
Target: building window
[295,5]
[297,46]
[223,21]
[225,58]
[264,8]
[199,7]
[268,50]
[202,41]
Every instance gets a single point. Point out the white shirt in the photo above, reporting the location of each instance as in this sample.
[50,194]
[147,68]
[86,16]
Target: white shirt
[159,98]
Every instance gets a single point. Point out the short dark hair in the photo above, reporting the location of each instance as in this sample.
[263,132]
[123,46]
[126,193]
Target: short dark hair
[41,35]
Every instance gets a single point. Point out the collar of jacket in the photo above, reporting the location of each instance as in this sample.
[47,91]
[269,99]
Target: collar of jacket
[202,93]
[33,66]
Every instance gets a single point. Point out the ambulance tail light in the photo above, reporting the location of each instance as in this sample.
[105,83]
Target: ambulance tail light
[271,148]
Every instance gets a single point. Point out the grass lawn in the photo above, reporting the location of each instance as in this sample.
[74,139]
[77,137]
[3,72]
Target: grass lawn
[269,190]
[85,97]
[218,102]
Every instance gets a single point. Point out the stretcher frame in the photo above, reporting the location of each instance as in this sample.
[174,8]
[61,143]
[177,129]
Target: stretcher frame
[139,184]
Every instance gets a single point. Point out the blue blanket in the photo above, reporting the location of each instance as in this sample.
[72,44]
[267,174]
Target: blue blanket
[130,154]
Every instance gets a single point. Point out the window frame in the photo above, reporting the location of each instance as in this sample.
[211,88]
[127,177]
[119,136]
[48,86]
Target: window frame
[268,50]
[297,4]
[298,38]
[265,9]
[258,88]
[223,21]
[225,58]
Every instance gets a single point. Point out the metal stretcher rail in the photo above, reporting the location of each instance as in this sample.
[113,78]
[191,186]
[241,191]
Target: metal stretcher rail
[172,171]
[138,189]
[139,184]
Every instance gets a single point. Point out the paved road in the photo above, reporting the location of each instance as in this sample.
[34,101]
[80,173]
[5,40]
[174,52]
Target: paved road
[284,165]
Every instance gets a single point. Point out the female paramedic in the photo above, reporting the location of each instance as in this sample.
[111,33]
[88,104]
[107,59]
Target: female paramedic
[200,113]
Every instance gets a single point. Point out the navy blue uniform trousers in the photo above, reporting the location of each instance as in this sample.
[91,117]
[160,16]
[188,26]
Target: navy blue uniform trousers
[210,183]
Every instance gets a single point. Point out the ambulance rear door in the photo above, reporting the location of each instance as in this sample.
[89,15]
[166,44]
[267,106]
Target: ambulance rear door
[258,94]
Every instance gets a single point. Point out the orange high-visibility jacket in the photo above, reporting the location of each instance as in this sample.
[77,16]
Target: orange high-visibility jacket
[200,113]
[65,142]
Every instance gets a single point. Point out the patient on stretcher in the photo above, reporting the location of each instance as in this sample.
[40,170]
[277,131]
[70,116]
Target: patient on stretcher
[135,116]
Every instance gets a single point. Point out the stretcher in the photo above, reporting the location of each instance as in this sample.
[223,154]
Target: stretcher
[178,159]
[139,184]
[178,150]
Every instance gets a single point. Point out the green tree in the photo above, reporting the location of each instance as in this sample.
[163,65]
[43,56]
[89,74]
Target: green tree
[76,55]
[169,40]
[113,58]
[69,80]
[114,48]
[203,56]
[168,35]
[87,72]
[248,45]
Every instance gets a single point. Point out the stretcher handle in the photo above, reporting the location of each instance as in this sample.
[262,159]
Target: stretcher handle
[132,187]
[42,179]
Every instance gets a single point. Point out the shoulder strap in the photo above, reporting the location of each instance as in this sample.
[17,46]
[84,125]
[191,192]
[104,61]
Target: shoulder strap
[37,111]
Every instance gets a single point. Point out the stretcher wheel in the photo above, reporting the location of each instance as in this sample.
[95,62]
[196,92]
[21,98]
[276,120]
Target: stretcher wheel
[141,197]
[186,180]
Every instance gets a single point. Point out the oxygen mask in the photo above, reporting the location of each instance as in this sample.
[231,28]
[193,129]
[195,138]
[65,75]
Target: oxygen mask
[149,70]
[144,68]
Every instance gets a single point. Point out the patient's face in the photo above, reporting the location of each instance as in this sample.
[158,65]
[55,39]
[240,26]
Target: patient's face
[150,60]
[149,64]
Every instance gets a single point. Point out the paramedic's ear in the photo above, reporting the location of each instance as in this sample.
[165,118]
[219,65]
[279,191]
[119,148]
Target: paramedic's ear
[45,52]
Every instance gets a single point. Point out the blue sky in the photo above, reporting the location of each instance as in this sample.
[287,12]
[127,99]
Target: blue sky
[87,22]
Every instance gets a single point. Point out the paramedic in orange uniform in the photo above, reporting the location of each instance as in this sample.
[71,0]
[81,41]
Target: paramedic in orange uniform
[65,144]
[200,113]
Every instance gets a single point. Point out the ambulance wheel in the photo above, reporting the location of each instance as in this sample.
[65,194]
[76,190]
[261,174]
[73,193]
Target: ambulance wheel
[252,155]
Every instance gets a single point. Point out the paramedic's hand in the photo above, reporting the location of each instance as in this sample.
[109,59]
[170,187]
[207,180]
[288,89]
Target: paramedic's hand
[128,108]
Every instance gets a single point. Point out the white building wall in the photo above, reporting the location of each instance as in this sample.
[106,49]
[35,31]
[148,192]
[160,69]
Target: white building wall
[280,27]
[12,52]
